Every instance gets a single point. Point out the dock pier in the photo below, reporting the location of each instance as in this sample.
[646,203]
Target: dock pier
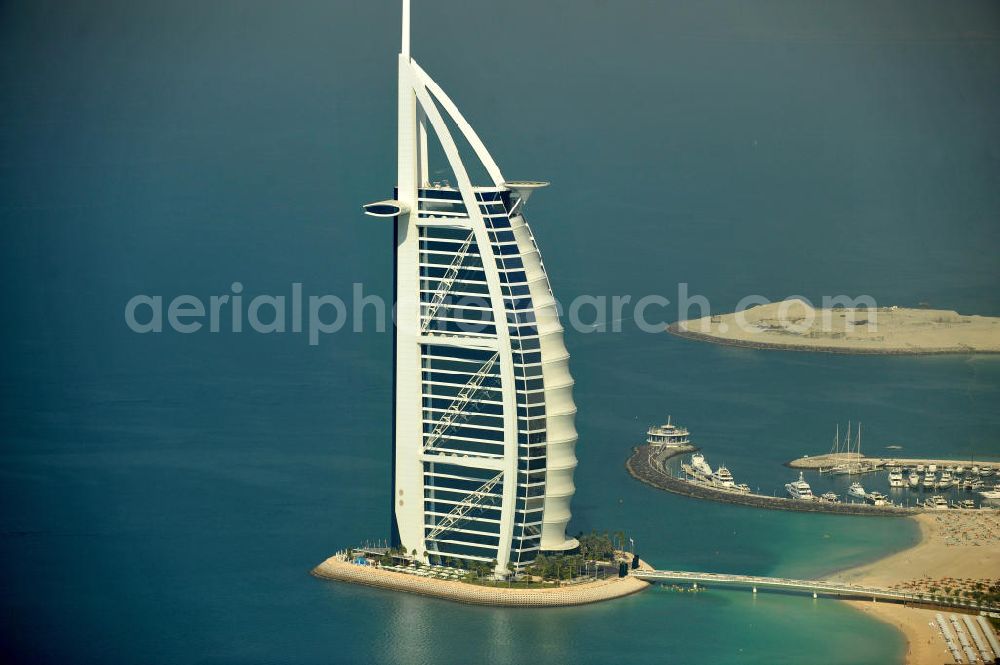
[647,466]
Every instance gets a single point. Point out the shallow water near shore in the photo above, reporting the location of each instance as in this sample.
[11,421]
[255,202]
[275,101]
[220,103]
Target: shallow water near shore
[163,497]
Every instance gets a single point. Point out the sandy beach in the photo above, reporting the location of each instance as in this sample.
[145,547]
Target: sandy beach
[957,549]
[794,325]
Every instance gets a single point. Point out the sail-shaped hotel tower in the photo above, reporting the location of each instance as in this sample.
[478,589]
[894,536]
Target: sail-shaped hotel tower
[483,426]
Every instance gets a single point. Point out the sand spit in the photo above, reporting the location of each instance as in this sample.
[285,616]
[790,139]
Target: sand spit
[957,549]
[794,325]
[335,568]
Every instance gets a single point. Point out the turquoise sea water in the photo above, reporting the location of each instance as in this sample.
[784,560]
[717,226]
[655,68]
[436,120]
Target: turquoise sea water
[162,497]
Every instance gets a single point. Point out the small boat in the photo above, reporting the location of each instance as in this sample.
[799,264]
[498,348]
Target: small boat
[991,494]
[959,470]
[920,468]
[699,464]
[876,499]
[967,504]
[799,489]
[830,497]
[743,488]
[932,468]
[857,490]
[929,480]
[985,472]
[936,502]
[913,479]
[945,481]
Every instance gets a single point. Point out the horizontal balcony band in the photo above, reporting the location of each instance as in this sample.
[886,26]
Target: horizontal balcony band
[470,461]
[483,342]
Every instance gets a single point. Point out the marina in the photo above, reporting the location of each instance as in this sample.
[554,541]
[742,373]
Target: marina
[910,485]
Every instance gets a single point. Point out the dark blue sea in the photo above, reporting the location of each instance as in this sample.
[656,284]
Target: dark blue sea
[163,496]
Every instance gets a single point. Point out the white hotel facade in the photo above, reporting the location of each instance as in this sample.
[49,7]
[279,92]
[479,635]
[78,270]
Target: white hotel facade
[483,424]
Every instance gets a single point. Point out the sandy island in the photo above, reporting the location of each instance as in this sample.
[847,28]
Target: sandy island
[957,550]
[794,325]
[336,568]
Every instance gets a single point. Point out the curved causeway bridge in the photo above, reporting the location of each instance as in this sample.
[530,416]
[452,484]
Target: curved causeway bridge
[815,587]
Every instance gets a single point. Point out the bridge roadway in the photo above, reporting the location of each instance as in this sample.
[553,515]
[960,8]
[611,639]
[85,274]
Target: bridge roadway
[816,587]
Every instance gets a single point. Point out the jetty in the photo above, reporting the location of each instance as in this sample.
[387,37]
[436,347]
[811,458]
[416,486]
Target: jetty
[830,460]
[647,466]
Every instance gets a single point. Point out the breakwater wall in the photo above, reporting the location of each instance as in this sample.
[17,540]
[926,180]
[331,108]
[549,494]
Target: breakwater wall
[675,329]
[649,470]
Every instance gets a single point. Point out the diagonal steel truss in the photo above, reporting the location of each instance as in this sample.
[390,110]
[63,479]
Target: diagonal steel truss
[474,499]
[447,281]
[457,407]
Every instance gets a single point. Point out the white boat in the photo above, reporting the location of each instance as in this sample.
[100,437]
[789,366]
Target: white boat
[857,490]
[723,478]
[945,481]
[913,478]
[896,478]
[967,504]
[929,480]
[699,464]
[876,499]
[920,468]
[992,494]
[667,436]
[960,470]
[743,488]
[830,497]
[932,468]
[799,489]
[936,502]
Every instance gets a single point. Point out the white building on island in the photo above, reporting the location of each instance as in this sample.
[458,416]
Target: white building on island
[483,422]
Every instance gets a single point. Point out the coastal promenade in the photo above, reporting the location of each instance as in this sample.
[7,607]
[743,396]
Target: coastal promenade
[816,587]
[335,568]
[648,468]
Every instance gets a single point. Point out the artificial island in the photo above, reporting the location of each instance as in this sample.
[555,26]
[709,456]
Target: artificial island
[795,325]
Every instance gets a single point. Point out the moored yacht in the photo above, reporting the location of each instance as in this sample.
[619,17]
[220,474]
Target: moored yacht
[913,479]
[936,502]
[723,478]
[896,478]
[945,481]
[830,497]
[699,464]
[929,480]
[743,488]
[857,490]
[876,499]
[799,489]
